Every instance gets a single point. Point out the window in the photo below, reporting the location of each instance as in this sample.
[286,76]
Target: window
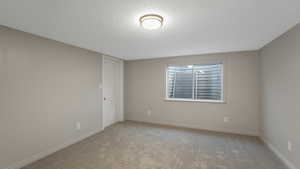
[195,82]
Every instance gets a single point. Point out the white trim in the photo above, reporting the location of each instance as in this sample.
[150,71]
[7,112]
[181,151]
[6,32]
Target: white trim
[191,100]
[289,164]
[223,76]
[111,58]
[121,99]
[193,85]
[222,82]
[122,91]
[50,151]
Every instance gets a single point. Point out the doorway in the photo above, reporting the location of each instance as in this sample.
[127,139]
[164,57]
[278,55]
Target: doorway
[112,91]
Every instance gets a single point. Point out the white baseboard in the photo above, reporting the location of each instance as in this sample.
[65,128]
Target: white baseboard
[44,154]
[224,130]
[289,164]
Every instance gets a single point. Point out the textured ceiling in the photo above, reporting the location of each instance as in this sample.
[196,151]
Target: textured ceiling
[191,26]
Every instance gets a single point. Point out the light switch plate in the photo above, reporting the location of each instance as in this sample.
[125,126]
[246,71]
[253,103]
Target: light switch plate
[226,119]
[78,126]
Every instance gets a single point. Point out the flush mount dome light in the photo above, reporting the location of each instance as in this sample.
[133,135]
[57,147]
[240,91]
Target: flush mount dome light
[151,21]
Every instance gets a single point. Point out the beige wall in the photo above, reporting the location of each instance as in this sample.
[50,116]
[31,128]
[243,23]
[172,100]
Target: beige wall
[280,62]
[45,88]
[145,89]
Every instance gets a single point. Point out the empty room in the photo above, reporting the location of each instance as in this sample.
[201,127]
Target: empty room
[149,84]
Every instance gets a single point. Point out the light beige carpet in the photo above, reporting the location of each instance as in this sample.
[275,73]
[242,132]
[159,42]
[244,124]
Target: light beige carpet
[131,145]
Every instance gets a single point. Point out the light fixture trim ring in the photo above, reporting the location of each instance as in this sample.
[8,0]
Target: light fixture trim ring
[156,17]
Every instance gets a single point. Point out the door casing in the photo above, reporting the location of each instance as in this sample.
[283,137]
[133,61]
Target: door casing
[118,90]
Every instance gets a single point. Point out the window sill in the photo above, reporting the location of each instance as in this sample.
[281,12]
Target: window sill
[201,101]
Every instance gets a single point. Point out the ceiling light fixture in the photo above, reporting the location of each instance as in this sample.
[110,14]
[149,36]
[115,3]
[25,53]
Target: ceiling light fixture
[151,21]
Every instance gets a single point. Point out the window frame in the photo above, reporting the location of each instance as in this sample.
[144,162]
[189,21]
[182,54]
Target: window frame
[223,74]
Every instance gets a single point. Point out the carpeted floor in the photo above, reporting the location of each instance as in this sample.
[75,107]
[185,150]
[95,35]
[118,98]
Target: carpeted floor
[131,145]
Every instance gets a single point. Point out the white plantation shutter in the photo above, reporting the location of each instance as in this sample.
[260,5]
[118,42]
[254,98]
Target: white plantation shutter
[197,82]
[180,81]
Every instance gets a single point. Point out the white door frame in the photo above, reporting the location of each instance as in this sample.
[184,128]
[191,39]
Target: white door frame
[120,100]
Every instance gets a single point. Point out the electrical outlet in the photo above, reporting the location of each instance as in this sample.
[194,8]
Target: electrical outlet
[290,146]
[226,119]
[149,112]
[78,126]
